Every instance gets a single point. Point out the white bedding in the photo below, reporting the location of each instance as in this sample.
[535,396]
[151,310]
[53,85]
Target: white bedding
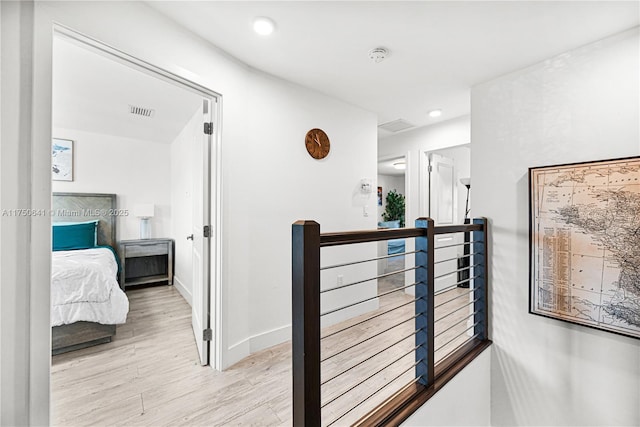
[84,288]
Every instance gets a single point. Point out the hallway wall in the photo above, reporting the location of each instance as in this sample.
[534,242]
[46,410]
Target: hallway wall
[581,105]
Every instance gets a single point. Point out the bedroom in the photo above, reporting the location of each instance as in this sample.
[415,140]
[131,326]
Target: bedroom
[135,170]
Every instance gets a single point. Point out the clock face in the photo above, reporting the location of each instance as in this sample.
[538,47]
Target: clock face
[317,143]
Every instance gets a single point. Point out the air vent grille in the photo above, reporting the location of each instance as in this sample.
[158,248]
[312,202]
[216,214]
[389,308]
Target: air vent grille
[396,125]
[141,111]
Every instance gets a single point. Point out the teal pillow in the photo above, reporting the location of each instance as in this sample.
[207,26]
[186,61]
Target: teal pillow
[79,235]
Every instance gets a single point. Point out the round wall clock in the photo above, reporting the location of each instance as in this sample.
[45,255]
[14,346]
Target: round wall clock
[317,143]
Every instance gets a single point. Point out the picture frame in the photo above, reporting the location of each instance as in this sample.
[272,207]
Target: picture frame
[61,159]
[584,244]
[379,196]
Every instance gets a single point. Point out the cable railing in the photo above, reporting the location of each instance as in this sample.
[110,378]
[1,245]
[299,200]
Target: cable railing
[370,351]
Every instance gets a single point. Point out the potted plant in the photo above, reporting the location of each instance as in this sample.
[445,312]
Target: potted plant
[394,209]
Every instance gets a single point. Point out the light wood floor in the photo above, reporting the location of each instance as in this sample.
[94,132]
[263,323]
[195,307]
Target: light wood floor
[150,374]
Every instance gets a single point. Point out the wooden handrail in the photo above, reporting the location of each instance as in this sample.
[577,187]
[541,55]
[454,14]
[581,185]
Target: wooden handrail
[365,236]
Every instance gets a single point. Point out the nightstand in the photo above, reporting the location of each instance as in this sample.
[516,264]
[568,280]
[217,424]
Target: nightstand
[146,261]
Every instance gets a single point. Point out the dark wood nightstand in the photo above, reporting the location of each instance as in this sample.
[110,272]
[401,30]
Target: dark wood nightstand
[146,261]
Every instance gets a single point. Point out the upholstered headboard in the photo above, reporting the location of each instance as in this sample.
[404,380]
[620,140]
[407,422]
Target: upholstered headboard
[79,207]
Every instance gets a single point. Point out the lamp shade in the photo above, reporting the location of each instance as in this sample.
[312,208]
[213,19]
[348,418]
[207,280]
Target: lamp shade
[144,210]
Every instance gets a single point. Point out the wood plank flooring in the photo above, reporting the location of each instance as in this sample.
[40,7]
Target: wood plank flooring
[150,374]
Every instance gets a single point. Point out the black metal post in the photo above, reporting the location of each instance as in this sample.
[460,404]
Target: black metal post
[425,353]
[464,261]
[481,306]
[306,323]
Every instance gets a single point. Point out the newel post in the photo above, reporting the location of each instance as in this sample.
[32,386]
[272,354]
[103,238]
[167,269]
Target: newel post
[425,303]
[305,294]
[480,274]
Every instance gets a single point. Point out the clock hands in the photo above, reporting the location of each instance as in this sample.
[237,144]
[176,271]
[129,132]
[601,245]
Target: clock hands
[317,143]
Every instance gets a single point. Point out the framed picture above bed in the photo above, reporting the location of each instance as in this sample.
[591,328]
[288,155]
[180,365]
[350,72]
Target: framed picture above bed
[62,160]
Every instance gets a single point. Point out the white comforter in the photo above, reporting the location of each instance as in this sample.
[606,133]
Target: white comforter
[84,287]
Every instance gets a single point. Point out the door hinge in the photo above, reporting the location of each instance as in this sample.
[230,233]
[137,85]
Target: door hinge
[207,231]
[430,168]
[208,128]
[207,335]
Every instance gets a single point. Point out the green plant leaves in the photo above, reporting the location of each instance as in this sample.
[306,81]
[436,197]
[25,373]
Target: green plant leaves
[395,205]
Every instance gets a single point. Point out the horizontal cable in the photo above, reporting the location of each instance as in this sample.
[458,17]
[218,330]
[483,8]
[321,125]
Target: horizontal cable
[456,310]
[371,357]
[457,323]
[369,377]
[458,347]
[377,391]
[457,244]
[449,288]
[454,298]
[367,260]
[456,271]
[369,318]
[453,259]
[368,299]
[456,337]
[368,280]
[369,338]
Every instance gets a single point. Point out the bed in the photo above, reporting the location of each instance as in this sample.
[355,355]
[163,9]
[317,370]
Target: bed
[86,300]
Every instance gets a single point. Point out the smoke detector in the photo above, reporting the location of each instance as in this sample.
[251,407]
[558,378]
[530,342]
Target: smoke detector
[378,54]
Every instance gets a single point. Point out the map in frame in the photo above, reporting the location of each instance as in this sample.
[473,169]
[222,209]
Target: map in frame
[585,244]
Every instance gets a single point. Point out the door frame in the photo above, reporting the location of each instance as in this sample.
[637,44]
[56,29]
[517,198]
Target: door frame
[215,176]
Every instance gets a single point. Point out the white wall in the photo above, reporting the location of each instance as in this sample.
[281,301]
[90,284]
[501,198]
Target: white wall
[388,183]
[463,401]
[20,402]
[579,106]
[268,179]
[273,182]
[137,171]
[182,161]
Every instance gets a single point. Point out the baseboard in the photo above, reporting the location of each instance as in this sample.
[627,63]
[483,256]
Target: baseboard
[182,289]
[269,338]
[255,343]
[235,353]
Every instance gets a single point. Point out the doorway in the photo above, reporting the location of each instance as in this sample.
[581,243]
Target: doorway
[177,173]
[392,213]
[444,197]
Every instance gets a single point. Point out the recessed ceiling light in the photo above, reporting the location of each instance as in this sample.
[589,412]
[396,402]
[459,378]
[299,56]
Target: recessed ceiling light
[400,165]
[263,25]
[435,113]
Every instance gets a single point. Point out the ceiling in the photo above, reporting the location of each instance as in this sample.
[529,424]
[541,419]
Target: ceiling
[385,167]
[439,49]
[93,93]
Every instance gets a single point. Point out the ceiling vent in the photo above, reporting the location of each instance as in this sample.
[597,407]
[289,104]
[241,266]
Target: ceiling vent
[141,111]
[396,125]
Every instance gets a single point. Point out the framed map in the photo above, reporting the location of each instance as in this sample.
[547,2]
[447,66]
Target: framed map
[584,230]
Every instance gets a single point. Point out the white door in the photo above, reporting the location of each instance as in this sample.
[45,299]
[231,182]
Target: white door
[442,196]
[201,243]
